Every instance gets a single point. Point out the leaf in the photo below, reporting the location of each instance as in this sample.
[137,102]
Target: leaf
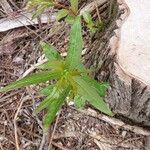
[75,46]
[92,28]
[87,17]
[100,25]
[54,107]
[79,102]
[70,19]
[100,87]
[82,68]
[54,65]
[89,93]
[50,52]
[47,101]
[47,90]
[74,5]
[39,5]
[32,79]
[61,14]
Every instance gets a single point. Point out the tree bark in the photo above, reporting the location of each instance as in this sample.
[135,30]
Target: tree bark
[128,95]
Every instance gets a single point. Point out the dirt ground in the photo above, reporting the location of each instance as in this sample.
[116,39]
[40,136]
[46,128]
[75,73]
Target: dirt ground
[73,129]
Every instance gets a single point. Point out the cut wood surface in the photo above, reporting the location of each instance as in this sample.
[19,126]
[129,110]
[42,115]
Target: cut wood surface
[134,51]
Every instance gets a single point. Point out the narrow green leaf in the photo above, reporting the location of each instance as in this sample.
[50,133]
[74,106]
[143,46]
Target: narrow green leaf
[47,101]
[89,93]
[82,68]
[87,17]
[51,113]
[79,102]
[92,28]
[100,25]
[32,79]
[61,14]
[54,65]
[74,5]
[100,87]
[75,45]
[39,5]
[50,52]
[53,108]
[47,90]
[70,19]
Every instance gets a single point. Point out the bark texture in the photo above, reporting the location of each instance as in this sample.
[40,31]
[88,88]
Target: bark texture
[127,96]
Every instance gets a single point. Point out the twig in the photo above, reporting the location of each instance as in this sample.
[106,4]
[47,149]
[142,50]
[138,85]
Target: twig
[98,14]
[59,146]
[13,4]
[32,68]
[30,133]
[5,98]
[33,100]
[90,7]
[5,5]
[1,146]
[51,139]
[114,121]
[147,143]
[15,123]
[38,121]
[43,141]
[110,8]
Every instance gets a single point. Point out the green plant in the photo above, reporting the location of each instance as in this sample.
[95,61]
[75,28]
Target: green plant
[71,79]
[69,13]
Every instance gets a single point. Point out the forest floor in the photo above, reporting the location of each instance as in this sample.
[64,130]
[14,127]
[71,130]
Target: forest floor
[73,129]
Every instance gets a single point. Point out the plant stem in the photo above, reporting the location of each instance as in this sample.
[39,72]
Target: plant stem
[98,14]
[65,7]
[61,6]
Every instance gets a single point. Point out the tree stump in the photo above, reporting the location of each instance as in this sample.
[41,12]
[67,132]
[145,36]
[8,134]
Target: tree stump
[121,56]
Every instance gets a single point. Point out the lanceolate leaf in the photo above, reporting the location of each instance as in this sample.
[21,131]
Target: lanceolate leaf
[74,5]
[53,108]
[40,5]
[50,52]
[100,87]
[75,45]
[82,68]
[79,102]
[61,14]
[48,100]
[88,92]
[47,90]
[87,17]
[32,79]
[54,65]
[70,19]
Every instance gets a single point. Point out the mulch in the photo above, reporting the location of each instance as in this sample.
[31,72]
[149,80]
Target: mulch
[19,50]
